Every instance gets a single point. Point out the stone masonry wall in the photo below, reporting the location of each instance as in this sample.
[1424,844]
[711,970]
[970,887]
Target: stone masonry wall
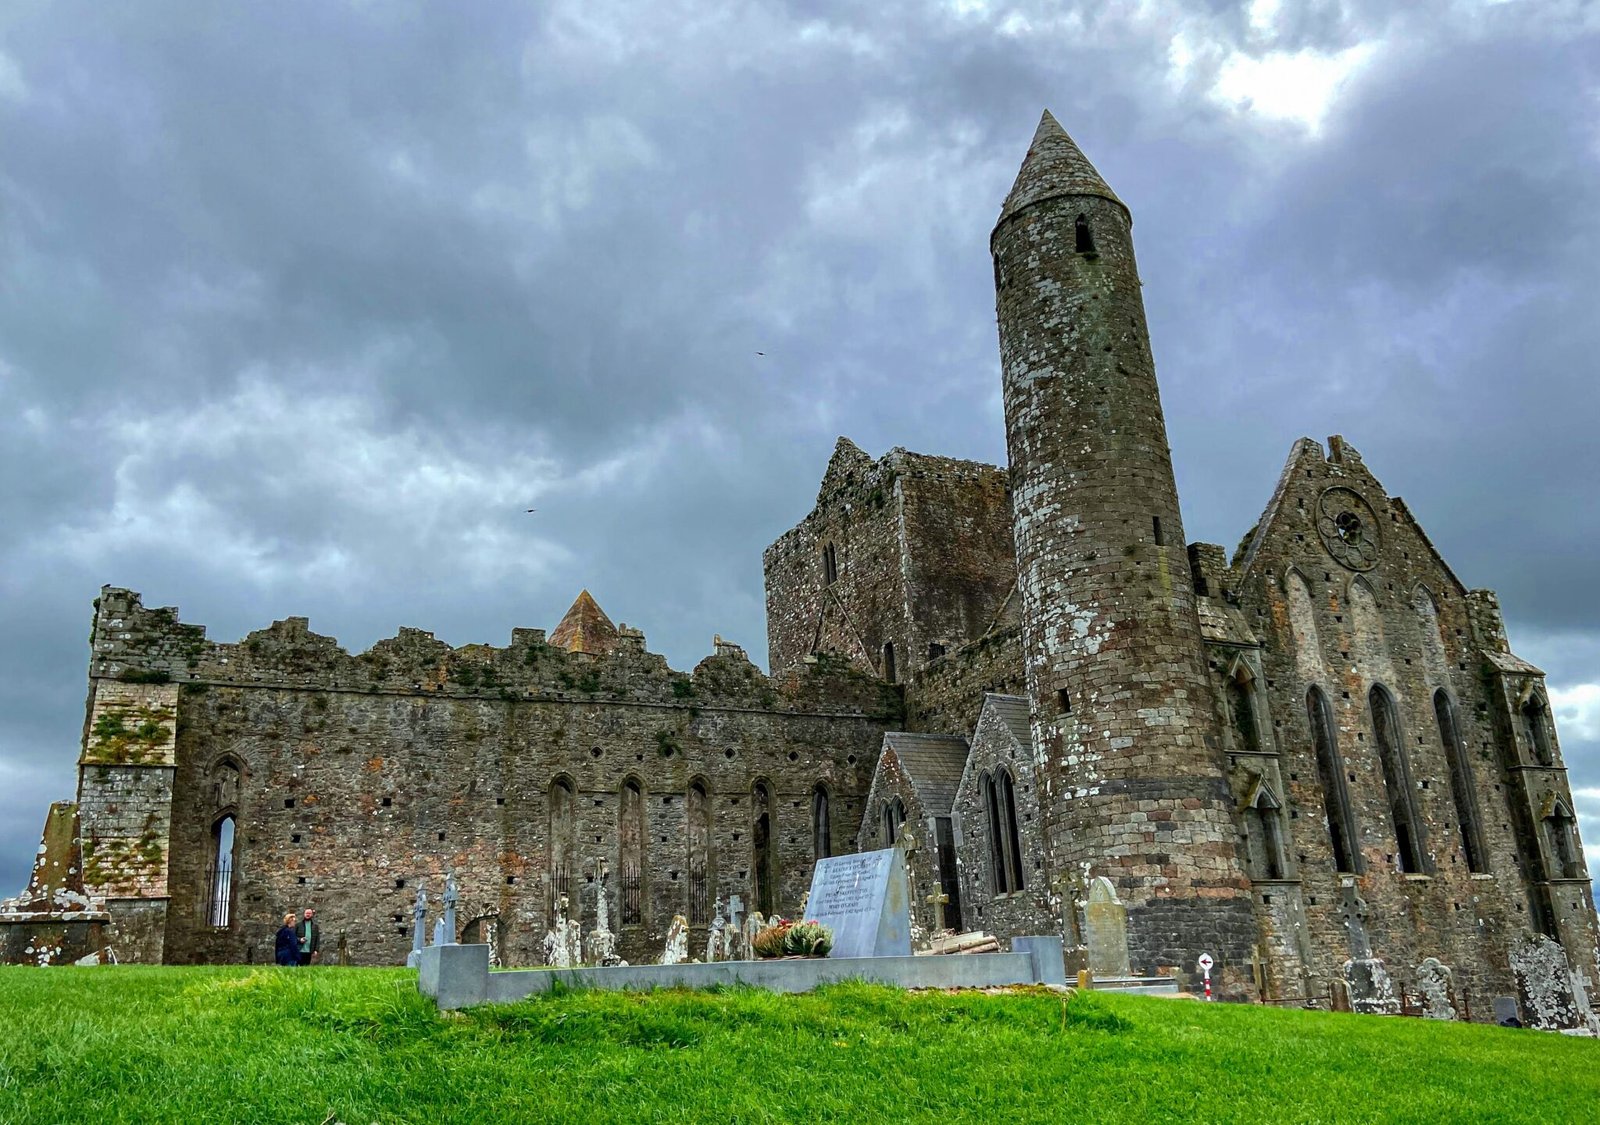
[360,774]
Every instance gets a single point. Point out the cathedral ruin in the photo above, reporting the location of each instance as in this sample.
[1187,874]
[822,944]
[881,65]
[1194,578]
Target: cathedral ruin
[1318,760]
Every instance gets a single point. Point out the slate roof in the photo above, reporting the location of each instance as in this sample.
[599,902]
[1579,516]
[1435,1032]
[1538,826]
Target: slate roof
[585,628]
[1512,665]
[1221,622]
[1054,166]
[933,764]
[1013,711]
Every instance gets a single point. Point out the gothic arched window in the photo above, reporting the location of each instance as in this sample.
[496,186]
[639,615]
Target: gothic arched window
[630,848]
[1005,844]
[1461,785]
[1335,791]
[219,898]
[1264,835]
[763,866]
[830,565]
[1242,709]
[562,840]
[1536,721]
[699,818]
[1561,833]
[821,825]
[1397,782]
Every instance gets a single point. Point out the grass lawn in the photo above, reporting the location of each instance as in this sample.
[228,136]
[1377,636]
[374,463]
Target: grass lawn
[147,1044]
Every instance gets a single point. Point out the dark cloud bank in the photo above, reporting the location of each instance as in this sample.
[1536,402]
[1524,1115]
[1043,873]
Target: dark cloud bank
[302,306]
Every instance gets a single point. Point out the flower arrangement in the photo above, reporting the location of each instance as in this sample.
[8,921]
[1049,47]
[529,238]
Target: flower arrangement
[793,939]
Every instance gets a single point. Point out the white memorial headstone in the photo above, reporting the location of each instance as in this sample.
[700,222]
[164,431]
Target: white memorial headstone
[862,898]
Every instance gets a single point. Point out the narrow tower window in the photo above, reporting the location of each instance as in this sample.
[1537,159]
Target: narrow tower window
[821,826]
[1160,536]
[763,867]
[699,816]
[220,896]
[1083,237]
[1008,810]
[888,663]
[1537,724]
[630,834]
[1335,793]
[1242,705]
[997,856]
[830,565]
[1461,787]
[1397,782]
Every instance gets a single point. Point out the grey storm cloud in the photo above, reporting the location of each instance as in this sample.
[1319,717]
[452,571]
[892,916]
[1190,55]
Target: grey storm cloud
[301,305]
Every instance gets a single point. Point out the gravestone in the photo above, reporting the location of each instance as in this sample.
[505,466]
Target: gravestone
[1435,990]
[1506,1012]
[1371,990]
[419,928]
[1106,931]
[677,947]
[863,899]
[1544,983]
[451,895]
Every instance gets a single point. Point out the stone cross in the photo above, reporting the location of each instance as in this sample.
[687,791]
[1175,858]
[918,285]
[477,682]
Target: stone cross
[602,909]
[419,916]
[734,933]
[938,899]
[714,933]
[735,908]
[451,895]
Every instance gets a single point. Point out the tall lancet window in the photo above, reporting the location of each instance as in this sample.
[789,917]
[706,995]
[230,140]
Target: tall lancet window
[1335,790]
[821,826]
[561,841]
[699,815]
[220,897]
[630,841]
[763,867]
[1410,851]
[1561,834]
[1461,782]
[1264,835]
[1536,721]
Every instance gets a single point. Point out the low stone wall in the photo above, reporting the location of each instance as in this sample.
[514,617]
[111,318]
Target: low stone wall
[457,976]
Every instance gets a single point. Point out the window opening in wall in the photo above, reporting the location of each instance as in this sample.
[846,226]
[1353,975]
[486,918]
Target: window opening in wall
[1013,838]
[219,894]
[699,816]
[830,565]
[630,845]
[1561,833]
[1161,539]
[1264,835]
[1536,722]
[894,818]
[763,865]
[562,841]
[935,650]
[949,873]
[889,672]
[1461,782]
[1242,707]
[991,814]
[821,825]
[1335,791]
[1083,237]
[1397,782]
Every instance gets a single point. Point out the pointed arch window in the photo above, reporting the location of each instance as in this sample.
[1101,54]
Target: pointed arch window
[764,868]
[1561,834]
[1005,843]
[1083,237]
[561,840]
[894,816]
[219,898]
[1461,782]
[1536,722]
[630,848]
[699,817]
[1392,757]
[1264,834]
[821,824]
[1242,709]
[1335,790]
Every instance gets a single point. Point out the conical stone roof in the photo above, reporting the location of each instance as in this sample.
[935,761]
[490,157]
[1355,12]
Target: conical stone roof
[585,628]
[1054,166]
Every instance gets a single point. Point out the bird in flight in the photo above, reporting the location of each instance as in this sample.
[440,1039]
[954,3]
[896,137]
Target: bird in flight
[761,353]
[533,509]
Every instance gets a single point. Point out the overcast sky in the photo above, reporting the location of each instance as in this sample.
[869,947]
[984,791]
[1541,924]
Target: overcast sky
[302,304]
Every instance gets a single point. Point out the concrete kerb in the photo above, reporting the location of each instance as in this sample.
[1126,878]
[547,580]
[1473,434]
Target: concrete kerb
[457,976]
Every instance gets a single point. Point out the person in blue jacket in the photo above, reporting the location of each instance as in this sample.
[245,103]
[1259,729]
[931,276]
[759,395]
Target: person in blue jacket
[288,943]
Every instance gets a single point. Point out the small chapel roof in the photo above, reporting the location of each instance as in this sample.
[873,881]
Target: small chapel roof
[1054,166]
[932,763]
[1013,711]
[585,628]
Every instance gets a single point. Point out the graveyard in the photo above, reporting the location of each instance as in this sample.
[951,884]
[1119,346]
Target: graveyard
[176,1044]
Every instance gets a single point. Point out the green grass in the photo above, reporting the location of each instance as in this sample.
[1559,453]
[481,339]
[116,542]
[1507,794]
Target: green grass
[145,1044]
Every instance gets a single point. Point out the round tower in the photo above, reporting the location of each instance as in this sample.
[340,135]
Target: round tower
[1133,775]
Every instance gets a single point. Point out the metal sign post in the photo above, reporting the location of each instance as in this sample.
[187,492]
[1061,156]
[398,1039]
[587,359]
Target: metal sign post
[1205,968]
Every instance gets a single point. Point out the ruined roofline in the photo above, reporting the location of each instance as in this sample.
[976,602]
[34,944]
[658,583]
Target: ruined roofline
[136,645]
